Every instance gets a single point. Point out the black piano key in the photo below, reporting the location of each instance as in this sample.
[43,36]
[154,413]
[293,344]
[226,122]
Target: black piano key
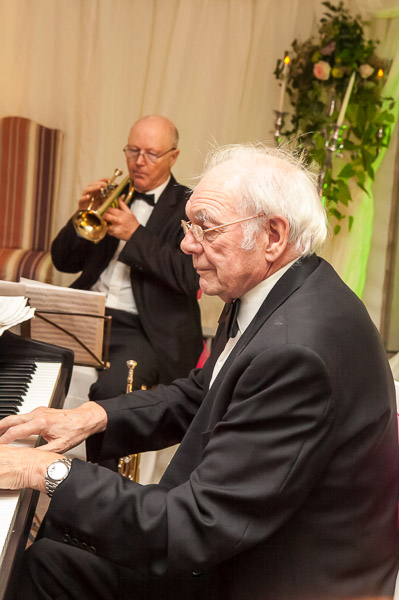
[11,369]
[18,360]
[13,388]
[18,368]
[18,364]
[13,379]
[11,373]
[17,373]
[12,410]
[11,399]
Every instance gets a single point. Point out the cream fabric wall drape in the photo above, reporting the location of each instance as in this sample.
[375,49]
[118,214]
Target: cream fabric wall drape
[92,67]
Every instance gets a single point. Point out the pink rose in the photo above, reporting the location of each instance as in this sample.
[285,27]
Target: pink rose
[322,70]
[365,71]
[328,50]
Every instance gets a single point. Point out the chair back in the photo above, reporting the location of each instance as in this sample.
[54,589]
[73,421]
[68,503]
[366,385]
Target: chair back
[30,158]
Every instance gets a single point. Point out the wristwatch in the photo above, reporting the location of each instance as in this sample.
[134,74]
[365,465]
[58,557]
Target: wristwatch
[56,473]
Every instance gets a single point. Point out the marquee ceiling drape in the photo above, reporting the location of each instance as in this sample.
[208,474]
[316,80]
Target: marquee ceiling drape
[92,67]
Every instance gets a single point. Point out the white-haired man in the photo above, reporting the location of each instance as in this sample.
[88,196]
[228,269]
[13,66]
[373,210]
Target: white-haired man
[285,483]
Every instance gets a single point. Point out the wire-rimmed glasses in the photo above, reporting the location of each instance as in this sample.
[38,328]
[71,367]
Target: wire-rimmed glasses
[151,157]
[199,233]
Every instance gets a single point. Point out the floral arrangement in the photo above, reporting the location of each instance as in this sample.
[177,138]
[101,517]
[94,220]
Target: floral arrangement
[335,89]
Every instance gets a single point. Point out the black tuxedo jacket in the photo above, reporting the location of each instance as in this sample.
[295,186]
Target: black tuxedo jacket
[163,279]
[285,484]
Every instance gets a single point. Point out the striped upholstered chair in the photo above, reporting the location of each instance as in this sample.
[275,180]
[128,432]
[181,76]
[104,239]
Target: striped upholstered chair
[30,157]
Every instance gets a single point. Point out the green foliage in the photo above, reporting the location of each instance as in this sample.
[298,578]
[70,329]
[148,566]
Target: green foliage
[318,76]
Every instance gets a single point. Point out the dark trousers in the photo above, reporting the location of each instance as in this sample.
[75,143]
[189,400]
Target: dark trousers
[128,341]
[55,571]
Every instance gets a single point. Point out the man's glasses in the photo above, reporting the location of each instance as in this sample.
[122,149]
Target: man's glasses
[151,157]
[200,233]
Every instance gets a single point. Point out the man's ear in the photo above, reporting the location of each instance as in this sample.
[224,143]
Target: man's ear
[173,157]
[278,231]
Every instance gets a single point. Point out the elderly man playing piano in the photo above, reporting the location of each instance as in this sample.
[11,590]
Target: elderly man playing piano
[285,483]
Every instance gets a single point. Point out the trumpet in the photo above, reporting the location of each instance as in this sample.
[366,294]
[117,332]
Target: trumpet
[90,224]
[129,466]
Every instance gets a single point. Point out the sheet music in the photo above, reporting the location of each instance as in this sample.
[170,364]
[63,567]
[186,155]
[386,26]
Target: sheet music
[44,296]
[13,311]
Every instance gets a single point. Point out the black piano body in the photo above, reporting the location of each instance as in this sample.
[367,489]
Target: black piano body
[16,348]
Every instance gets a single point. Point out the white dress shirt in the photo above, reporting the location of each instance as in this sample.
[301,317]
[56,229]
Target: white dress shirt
[250,304]
[114,281]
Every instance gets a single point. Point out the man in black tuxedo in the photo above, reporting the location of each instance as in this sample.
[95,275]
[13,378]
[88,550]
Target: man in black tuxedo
[150,285]
[285,483]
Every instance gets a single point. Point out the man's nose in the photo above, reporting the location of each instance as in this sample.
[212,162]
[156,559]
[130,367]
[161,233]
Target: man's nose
[189,244]
[140,159]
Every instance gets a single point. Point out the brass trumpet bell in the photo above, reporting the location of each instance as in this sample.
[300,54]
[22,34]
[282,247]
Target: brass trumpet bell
[90,224]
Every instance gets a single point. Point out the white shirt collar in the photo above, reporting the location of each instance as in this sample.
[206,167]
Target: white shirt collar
[252,300]
[158,190]
[250,304]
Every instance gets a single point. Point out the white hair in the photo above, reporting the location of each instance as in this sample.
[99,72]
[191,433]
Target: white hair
[274,182]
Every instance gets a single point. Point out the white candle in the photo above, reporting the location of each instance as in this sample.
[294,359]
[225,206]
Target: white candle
[284,83]
[345,101]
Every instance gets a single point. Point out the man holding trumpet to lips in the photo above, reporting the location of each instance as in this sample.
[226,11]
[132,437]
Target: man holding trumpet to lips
[150,285]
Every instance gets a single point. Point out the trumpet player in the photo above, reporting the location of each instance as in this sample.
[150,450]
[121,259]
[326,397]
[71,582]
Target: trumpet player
[150,285]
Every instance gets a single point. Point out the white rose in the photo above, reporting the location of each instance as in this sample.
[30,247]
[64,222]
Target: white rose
[365,71]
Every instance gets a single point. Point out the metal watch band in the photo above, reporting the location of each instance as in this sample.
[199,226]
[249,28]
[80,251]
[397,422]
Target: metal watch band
[51,484]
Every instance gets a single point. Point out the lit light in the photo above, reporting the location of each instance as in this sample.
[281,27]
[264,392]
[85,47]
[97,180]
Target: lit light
[380,73]
[287,60]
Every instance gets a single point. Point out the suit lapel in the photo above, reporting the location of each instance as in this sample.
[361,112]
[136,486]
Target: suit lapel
[166,202]
[286,285]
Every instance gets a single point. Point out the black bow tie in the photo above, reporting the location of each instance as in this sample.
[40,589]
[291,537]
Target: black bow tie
[149,198]
[229,316]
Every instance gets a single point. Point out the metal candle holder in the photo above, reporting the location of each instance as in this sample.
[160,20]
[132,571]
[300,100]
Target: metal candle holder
[379,137]
[277,126]
[332,144]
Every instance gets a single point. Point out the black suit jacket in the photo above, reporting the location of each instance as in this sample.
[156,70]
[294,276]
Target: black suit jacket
[164,282]
[285,483]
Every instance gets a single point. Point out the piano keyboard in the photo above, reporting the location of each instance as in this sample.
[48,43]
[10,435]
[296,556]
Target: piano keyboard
[39,392]
[39,380]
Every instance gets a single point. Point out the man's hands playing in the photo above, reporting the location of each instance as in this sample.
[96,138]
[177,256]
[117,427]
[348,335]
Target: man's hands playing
[62,429]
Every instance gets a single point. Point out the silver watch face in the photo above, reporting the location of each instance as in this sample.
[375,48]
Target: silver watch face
[58,471]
